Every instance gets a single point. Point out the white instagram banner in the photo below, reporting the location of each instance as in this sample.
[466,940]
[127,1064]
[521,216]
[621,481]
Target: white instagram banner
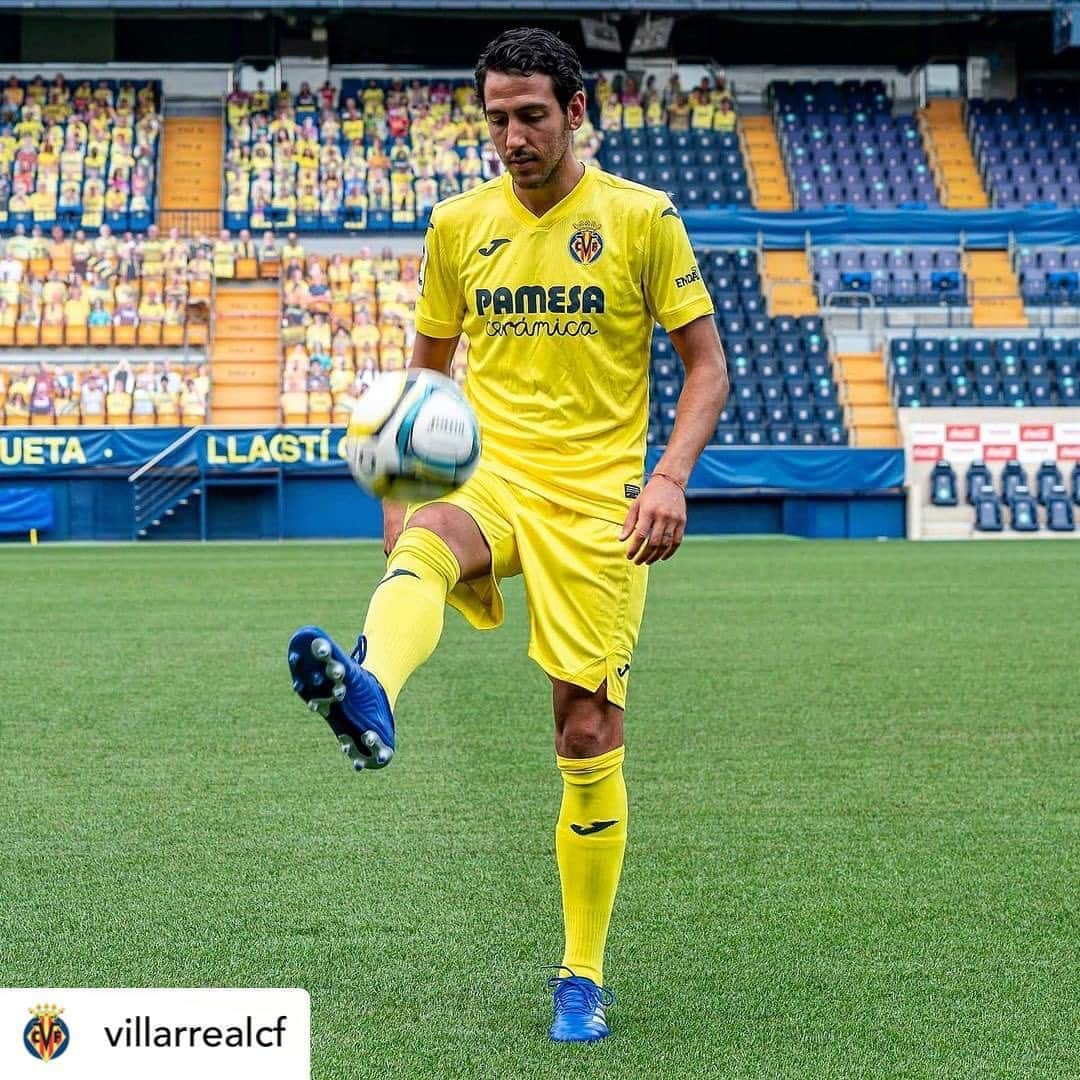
[163,1034]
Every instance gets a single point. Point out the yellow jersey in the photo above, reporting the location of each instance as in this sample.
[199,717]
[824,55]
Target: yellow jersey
[559,313]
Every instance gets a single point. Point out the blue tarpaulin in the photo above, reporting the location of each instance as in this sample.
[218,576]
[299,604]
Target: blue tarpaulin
[820,470]
[979,228]
[25,508]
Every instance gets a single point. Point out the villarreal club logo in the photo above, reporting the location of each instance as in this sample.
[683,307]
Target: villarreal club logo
[586,244]
[46,1036]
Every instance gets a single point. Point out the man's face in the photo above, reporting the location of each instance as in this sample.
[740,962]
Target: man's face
[529,128]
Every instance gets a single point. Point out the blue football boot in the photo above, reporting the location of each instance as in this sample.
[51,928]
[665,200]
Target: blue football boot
[579,1008]
[350,699]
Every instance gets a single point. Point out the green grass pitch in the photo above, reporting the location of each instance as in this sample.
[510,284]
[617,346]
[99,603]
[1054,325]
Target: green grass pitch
[854,812]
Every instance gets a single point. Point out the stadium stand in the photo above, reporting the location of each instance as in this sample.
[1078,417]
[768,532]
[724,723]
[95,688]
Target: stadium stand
[344,319]
[104,293]
[78,156]
[684,144]
[844,147]
[782,386]
[1028,149]
[894,275]
[94,393]
[378,156]
[1048,275]
[1039,370]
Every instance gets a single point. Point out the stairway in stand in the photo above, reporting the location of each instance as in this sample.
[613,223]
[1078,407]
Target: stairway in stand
[948,150]
[761,149]
[864,393]
[787,283]
[994,290]
[191,172]
[245,359]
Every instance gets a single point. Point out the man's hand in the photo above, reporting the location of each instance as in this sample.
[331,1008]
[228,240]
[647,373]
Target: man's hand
[393,521]
[656,522]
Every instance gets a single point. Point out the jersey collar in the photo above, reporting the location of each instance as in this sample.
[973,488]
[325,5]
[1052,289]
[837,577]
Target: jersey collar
[557,212]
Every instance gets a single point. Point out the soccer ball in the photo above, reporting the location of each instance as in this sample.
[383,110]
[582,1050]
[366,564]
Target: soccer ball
[412,437]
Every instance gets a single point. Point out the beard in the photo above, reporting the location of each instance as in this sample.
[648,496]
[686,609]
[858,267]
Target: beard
[543,166]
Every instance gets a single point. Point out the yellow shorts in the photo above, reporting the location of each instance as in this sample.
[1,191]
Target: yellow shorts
[585,597]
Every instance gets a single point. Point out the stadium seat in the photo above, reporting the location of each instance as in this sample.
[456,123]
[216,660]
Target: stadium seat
[1059,510]
[978,476]
[988,516]
[1023,511]
[1013,476]
[1046,479]
[943,485]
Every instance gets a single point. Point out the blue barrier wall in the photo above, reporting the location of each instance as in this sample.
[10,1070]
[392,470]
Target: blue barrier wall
[293,483]
[979,228]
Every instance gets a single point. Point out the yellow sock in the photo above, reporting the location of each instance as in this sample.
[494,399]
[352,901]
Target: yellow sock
[405,617]
[590,840]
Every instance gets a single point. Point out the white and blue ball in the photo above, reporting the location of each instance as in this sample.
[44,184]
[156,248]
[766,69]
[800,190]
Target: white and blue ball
[412,437]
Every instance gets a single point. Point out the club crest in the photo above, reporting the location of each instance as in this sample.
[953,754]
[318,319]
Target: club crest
[586,243]
[46,1036]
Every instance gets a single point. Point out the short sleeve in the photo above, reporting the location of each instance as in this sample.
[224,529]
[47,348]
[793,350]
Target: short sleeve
[440,305]
[672,281]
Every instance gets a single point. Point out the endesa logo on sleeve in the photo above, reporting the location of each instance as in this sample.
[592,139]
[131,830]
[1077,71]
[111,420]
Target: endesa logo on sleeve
[163,1034]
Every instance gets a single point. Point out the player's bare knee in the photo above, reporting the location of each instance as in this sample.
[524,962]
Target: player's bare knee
[459,532]
[586,725]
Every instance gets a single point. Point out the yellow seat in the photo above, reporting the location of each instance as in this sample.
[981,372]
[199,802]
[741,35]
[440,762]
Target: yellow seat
[320,406]
[76,335]
[294,407]
[100,335]
[124,335]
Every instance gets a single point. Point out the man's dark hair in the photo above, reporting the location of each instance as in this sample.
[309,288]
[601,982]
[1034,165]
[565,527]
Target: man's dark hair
[526,50]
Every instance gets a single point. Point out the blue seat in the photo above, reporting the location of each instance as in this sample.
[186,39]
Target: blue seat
[1075,484]
[1013,476]
[943,485]
[753,415]
[1046,479]
[988,516]
[1059,511]
[937,392]
[754,436]
[667,390]
[1023,512]
[988,392]
[728,434]
[978,476]
[807,434]
[908,392]
[1014,391]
